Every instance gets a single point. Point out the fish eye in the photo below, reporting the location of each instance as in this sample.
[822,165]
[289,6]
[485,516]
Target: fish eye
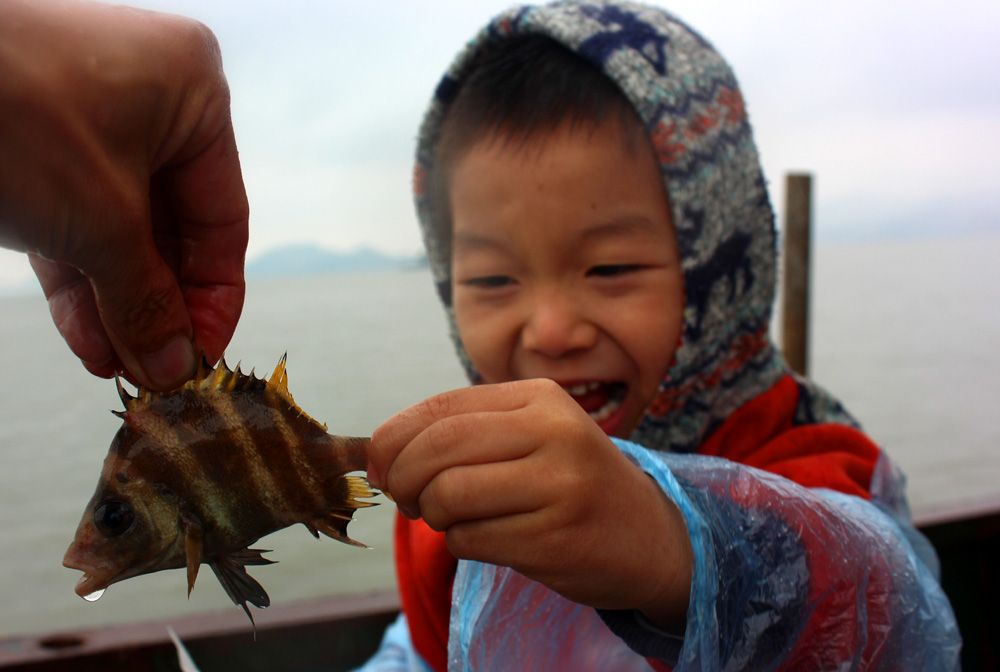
[113,517]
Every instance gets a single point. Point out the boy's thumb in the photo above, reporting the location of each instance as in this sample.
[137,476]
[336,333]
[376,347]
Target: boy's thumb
[143,311]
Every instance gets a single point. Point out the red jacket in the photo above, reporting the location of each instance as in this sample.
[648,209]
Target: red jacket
[761,434]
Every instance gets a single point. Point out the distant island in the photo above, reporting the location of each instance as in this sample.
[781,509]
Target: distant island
[307,259]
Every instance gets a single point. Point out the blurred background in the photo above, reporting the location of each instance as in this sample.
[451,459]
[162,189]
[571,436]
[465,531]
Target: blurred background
[893,106]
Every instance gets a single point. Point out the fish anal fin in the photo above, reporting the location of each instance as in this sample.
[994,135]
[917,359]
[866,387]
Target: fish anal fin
[239,586]
[335,527]
[344,491]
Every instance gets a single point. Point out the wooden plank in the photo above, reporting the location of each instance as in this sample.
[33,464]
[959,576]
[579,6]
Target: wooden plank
[796,271]
[331,633]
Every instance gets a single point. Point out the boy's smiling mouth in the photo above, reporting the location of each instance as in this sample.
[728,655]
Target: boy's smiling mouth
[602,400]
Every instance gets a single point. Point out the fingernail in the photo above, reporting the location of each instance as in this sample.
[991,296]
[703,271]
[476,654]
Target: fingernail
[170,365]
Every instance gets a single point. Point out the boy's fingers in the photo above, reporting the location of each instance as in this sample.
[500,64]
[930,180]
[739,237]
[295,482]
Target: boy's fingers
[456,441]
[405,425]
[397,432]
[477,492]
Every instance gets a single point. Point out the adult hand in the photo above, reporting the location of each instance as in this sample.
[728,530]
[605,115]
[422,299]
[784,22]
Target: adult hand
[119,176]
[517,474]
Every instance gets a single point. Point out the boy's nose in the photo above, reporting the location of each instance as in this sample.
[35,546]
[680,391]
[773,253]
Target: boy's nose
[556,327]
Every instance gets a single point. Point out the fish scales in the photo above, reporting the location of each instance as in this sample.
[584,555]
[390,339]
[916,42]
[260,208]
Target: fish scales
[301,438]
[169,450]
[282,468]
[200,473]
[223,452]
[308,452]
[254,475]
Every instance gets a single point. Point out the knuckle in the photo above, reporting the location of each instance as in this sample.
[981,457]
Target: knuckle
[462,541]
[445,499]
[446,490]
[438,407]
[379,440]
[568,485]
[194,36]
[146,315]
[444,435]
[546,388]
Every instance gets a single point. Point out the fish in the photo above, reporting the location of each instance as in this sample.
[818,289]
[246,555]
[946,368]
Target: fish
[199,474]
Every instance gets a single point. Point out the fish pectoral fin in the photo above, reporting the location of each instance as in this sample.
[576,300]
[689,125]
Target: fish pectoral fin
[193,545]
[240,586]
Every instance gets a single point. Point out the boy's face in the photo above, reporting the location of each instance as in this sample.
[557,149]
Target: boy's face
[565,266]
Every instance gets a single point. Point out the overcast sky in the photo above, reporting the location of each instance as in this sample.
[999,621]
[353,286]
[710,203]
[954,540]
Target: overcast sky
[894,106]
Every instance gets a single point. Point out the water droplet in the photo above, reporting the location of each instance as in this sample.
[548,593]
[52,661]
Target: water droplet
[94,596]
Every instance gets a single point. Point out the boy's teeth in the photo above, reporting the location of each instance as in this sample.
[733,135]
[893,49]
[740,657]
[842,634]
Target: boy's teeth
[581,389]
[602,414]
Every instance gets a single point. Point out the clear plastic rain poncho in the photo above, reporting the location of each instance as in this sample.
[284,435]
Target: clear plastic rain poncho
[795,567]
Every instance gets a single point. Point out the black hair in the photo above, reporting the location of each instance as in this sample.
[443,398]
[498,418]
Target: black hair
[515,89]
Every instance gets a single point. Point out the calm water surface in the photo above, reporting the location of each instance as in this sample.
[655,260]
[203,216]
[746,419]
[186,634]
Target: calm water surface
[906,334]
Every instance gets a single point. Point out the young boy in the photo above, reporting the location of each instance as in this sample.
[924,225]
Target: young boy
[599,228]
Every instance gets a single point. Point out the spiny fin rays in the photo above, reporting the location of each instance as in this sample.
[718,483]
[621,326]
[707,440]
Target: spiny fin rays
[334,523]
[240,586]
[279,377]
[193,546]
[335,527]
[219,378]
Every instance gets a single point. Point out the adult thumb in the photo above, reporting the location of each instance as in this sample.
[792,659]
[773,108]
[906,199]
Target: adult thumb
[143,311]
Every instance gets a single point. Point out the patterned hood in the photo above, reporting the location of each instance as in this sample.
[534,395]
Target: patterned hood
[690,103]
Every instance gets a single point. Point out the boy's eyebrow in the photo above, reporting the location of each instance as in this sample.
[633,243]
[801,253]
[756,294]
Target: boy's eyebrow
[628,226]
[466,242]
[632,225]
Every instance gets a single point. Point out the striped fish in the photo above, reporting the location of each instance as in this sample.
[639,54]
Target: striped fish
[200,473]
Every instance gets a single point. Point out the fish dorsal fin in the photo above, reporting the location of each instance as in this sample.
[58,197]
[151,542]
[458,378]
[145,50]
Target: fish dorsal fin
[207,378]
[218,379]
[278,382]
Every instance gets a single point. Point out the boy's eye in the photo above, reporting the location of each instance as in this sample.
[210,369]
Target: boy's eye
[612,270]
[488,281]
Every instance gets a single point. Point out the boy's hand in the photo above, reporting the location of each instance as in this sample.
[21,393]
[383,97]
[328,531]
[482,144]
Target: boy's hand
[517,474]
[119,176]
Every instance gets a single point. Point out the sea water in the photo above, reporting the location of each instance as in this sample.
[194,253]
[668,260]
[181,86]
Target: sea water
[905,333]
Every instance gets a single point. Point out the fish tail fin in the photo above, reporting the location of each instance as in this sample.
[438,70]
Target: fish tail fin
[355,487]
[348,495]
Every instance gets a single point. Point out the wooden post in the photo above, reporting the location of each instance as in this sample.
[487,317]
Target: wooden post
[795,282]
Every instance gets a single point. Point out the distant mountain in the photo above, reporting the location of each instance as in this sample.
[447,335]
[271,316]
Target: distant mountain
[305,259]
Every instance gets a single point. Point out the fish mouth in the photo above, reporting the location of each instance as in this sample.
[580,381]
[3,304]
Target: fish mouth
[97,578]
[90,584]
[93,579]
